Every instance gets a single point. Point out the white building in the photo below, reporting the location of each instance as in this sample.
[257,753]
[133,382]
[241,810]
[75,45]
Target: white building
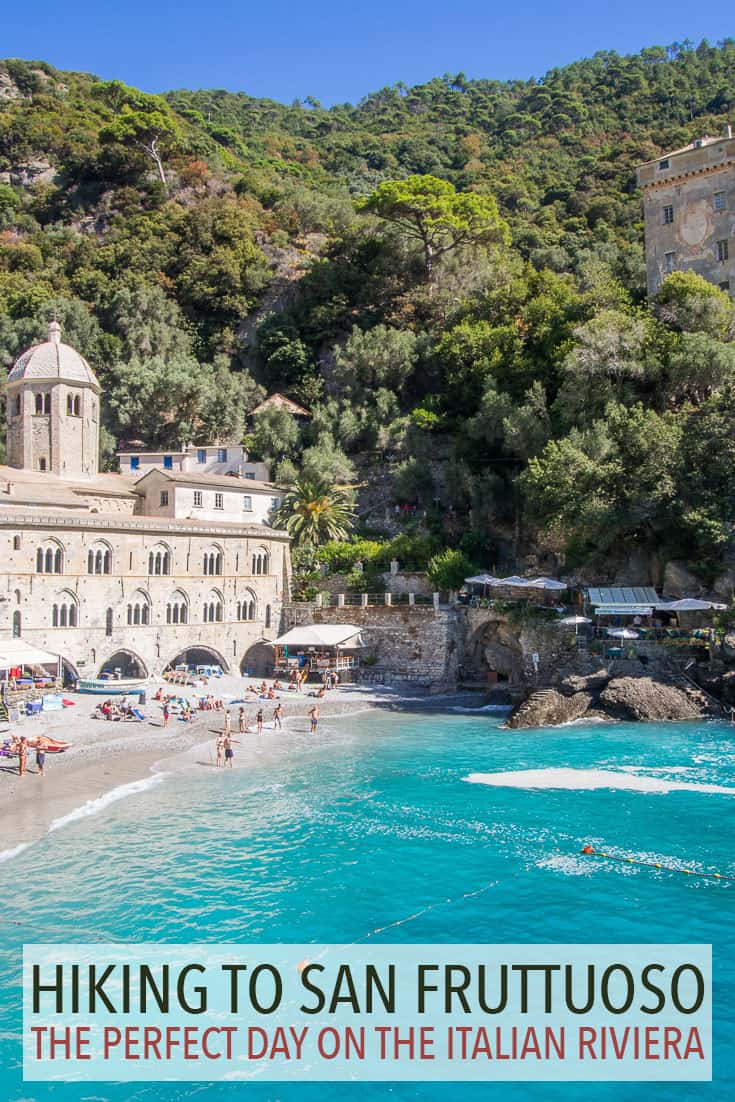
[111,570]
[206,459]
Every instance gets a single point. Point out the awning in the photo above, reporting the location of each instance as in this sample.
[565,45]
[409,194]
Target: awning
[688,604]
[16,652]
[481,579]
[624,610]
[623,595]
[320,635]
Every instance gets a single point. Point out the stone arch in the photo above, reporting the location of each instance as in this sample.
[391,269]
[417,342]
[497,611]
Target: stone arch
[199,655]
[127,661]
[258,661]
[177,608]
[494,653]
[139,609]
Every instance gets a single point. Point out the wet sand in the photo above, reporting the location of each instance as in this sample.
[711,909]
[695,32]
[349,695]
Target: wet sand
[107,755]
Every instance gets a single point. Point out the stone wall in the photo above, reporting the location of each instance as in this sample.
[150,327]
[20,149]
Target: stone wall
[415,641]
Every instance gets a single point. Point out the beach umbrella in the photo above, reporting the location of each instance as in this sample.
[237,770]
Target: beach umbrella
[622,633]
[575,621]
[547,583]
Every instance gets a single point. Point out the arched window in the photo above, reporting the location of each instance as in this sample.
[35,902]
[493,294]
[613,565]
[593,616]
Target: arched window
[69,405]
[139,609]
[108,621]
[213,561]
[49,559]
[42,464]
[16,543]
[39,403]
[77,406]
[99,558]
[213,608]
[159,560]
[247,608]
[65,611]
[43,403]
[17,405]
[177,609]
[261,561]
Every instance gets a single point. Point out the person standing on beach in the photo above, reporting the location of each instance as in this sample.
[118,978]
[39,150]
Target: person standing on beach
[165,713]
[228,723]
[220,746]
[41,756]
[314,717]
[22,756]
[241,722]
[259,721]
[229,752]
[278,716]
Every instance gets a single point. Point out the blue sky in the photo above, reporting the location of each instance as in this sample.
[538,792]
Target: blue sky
[337,50]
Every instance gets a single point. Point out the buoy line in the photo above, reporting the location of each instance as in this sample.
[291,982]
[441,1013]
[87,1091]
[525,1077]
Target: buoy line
[589,851]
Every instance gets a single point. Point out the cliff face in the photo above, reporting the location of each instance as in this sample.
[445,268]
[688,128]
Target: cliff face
[602,696]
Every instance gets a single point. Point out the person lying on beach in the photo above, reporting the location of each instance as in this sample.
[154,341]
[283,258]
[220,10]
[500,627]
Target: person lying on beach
[320,694]
[276,686]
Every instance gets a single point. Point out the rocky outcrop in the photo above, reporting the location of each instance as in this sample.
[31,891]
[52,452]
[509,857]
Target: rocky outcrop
[680,582]
[550,708]
[603,696]
[649,700]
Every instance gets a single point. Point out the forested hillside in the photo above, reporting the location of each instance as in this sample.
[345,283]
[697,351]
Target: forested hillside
[450,277]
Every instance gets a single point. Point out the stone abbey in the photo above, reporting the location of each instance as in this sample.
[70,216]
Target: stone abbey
[127,571]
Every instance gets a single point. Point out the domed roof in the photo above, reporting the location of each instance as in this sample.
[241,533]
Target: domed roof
[53,361]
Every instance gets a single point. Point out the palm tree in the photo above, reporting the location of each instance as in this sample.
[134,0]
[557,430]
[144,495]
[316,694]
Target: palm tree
[313,511]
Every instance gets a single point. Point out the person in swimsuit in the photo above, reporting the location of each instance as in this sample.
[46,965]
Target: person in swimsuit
[277,717]
[165,713]
[314,717]
[228,723]
[259,721]
[229,752]
[41,755]
[22,756]
[220,750]
[241,721]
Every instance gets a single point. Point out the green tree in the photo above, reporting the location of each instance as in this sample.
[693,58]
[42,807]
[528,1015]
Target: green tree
[275,435]
[449,569]
[687,302]
[141,122]
[378,357]
[435,214]
[312,512]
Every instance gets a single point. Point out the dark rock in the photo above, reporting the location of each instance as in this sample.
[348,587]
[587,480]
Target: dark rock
[550,708]
[642,698]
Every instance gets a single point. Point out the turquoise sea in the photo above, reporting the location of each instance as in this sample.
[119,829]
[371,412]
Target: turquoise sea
[372,822]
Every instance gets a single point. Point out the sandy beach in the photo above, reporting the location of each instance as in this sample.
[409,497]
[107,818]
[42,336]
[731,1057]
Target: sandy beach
[109,760]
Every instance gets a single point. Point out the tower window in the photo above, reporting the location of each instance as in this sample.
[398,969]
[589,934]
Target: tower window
[43,404]
[218,501]
[663,164]
[16,543]
[201,455]
[723,250]
[164,497]
[720,200]
[42,464]
[17,405]
[669,262]
[168,462]
[725,285]
[668,215]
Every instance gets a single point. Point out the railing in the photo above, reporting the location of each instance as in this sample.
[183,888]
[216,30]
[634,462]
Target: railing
[387,674]
[365,600]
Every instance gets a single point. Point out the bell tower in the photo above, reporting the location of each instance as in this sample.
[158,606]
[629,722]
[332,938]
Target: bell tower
[53,410]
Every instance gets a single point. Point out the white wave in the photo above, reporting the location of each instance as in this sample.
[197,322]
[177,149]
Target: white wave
[92,807]
[8,854]
[485,708]
[588,779]
[570,866]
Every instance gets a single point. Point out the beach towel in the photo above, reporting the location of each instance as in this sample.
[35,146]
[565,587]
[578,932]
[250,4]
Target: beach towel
[138,714]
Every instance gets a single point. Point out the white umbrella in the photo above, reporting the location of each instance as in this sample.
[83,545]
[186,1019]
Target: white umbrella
[547,583]
[622,633]
[575,621]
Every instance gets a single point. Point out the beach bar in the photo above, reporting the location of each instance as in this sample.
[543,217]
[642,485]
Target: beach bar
[317,648]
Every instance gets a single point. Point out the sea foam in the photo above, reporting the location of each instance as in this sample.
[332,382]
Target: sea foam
[588,779]
[92,807]
[8,854]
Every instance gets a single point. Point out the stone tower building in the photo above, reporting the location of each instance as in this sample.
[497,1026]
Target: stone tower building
[689,212]
[53,411]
